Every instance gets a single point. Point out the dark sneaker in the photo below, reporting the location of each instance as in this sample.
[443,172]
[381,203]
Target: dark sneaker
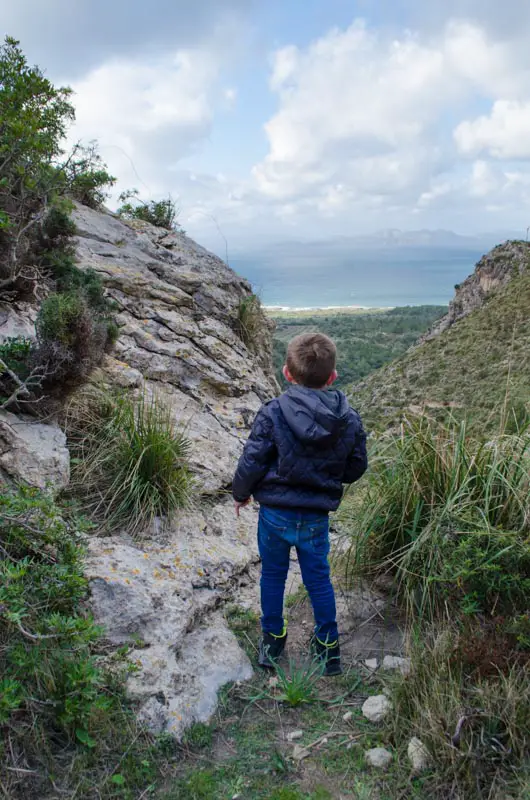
[329,655]
[270,649]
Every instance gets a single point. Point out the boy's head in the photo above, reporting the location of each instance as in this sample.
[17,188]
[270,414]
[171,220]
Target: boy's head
[311,359]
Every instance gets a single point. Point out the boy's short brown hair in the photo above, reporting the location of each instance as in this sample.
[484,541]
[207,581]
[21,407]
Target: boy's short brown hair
[311,358]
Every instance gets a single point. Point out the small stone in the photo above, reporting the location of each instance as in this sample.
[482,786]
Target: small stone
[376,708]
[299,752]
[371,663]
[378,757]
[395,662]
[348,716]
[294,735]
[418,754]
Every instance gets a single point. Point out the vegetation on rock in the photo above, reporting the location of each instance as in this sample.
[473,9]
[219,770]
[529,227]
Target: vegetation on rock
[448,516]
[130,458]
[161,213]
[53,692]
[249,322]
[37,256]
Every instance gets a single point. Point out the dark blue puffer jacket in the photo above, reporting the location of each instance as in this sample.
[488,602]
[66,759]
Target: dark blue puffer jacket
[304,445]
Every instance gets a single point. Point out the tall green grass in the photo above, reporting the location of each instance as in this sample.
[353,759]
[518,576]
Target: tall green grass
[130,459]
[476,728]
[450,517]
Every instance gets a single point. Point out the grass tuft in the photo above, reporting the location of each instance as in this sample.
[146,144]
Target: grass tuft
[449,516]
[130,460]
[298,684]
[250,321]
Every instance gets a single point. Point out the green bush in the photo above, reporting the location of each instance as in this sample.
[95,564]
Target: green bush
[37,253]
[45,659]
[130,458]
[35,116]
[162,213]
[71,338]
[86,176]
[449,516]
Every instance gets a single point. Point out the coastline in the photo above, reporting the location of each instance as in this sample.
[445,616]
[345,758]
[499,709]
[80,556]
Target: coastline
[276,311]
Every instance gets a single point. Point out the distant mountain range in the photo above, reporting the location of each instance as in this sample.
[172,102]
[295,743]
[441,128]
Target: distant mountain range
[390,238]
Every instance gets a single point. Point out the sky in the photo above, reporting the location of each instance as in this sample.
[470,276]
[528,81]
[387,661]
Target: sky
[274,120]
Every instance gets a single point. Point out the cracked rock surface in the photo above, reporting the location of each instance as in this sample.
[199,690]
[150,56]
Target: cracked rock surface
[177,313]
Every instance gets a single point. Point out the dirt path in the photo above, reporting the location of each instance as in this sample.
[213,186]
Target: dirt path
[261,747]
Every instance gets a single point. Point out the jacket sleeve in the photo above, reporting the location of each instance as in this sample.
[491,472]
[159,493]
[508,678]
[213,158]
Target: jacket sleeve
[357,462]
[256,457]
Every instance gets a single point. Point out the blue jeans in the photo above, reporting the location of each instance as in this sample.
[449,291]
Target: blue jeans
[279,529]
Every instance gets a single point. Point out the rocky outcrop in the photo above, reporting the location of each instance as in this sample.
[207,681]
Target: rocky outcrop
[177,311]
[160,596]
[177,308]
[33,453]
[493,270]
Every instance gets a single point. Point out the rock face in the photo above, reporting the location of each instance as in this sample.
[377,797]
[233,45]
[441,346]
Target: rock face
[33,453]
[492,271]
[178,307]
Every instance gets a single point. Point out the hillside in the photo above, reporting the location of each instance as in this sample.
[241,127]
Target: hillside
[367,339]
[474,363]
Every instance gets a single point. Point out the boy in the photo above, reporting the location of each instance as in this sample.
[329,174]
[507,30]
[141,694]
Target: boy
[303,446]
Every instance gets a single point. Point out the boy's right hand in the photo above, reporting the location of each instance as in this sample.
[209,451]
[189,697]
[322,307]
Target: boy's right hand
[239,505]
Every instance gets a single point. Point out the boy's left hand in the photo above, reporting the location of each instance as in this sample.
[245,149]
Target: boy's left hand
[238,505]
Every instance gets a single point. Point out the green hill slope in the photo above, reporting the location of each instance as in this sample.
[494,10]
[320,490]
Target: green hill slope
[478,367]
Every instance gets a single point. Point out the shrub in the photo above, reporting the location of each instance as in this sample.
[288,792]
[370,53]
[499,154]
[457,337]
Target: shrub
[86,176]
[130,458]
[450,516]
[162,213]
[48,672]
[71,338]
[35,116]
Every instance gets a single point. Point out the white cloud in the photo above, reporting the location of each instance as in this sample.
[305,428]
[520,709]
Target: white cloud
[504,133]
[369,123]
[149,115]
[353,107]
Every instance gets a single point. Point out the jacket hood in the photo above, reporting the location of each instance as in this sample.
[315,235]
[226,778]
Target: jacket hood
[315,415]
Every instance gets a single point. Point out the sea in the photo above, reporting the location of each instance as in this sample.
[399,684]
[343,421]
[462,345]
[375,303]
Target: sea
[376,278]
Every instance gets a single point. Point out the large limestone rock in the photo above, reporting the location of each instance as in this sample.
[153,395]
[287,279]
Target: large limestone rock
[33,453]
[178,334]
[160,597]
[177,311]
